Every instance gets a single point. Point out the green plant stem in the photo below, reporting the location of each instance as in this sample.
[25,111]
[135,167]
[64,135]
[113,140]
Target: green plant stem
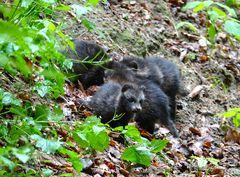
[15,10]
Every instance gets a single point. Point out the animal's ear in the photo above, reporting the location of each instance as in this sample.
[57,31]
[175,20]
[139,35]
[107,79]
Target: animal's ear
[142,87]
[133,65]
[126,87]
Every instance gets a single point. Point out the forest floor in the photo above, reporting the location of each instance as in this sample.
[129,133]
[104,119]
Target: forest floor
[211,74]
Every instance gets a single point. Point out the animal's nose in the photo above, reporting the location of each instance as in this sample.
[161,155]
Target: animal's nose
[137,108]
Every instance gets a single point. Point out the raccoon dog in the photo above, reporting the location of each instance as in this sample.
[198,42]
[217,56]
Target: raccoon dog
[88,74]
[114,99]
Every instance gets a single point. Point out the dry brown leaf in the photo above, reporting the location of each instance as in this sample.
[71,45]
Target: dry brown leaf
[232,135]
[195,131]
[203,58]
[218,171]
[23,96]
[207,144]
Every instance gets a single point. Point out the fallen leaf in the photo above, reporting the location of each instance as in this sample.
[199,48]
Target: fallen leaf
[195,131]
[203,58]
[232,135]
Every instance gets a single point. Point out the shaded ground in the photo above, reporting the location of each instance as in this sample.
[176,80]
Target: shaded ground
[148,28]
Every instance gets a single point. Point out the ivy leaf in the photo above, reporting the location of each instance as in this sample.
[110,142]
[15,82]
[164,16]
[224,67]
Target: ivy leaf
[74,158]
[10,164]
[23,154]
[232,27]
[140,155]
[132,132]
[98,141]
[48,146]
[158,145]
[56,114]
[92,134]
[81,139]
[9,99]
[191,5]
[47,172]
[213,161]
[201,161]
[230,10]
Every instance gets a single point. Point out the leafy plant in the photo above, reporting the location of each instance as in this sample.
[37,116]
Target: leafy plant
[92,134]
[234,114]
[187,25]
[203,161]
[144,150]
[30,45]
[220,16]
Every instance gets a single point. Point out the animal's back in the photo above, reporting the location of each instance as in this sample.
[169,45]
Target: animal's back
[87,73]
[155,109]
[104,102]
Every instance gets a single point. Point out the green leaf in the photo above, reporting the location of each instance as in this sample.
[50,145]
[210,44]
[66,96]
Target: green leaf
[88,24]
[158,145]
[76,164]
[235,109]
[10,164]
[230,10]
[212,32]
[48,146]
[132,132]
[92,134]
[23,154]
[42,89]
[186,24]
[3,130]
[26,3]
[74,158]
[232,27]
[208,3]
[65,151]
[236,120]
[47,172]
[201,161]
[81,139]
[63,7]
[56,114]
[230,2]
[80,10]
[219,12]
[213,161]
[191,5]
[140,155]
[93,2]
[41,113]
[199,7]
[9,99]
[98,141]
[213,16]
[229,114]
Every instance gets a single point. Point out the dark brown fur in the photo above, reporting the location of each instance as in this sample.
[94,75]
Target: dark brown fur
[87,73]
[115,99]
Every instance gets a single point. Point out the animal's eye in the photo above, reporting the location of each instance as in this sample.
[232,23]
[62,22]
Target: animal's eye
[131,100]
[141,102]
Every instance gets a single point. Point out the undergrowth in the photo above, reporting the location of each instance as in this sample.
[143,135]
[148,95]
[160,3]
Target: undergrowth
[33,76]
